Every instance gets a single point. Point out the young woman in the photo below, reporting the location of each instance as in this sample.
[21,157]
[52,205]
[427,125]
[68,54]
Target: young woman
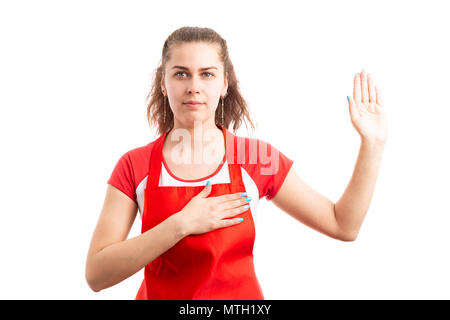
[197,240]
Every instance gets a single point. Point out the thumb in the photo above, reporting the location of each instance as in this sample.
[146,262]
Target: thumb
[206,191]
[353,109]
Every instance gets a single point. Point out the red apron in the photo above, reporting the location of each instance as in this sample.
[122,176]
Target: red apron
[216,265]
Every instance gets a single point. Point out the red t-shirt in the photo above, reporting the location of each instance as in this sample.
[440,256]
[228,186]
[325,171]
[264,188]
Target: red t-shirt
[264,170]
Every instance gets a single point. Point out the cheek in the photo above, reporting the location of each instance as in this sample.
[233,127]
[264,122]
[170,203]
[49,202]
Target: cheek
[175,91]
[212,105]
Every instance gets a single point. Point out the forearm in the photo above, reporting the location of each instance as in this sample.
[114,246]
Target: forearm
[354,203]
[121,260]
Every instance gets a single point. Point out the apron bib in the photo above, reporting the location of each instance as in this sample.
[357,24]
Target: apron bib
[217,265]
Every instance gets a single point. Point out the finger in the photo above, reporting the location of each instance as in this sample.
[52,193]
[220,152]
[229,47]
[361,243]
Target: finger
[377,90]
[364,88]
[357,88]
[206,190]
[372,93]
[230,222]
[231,197]
[379,104]
[235,203]
[235,211]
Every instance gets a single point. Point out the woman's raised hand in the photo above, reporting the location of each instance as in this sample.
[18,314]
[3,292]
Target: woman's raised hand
[203,214]
[367,112]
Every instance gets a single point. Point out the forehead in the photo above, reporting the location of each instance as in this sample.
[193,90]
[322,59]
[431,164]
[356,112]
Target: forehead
[195,55]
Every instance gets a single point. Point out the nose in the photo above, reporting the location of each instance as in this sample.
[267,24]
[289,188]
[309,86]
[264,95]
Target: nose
[191,91]
[193,86]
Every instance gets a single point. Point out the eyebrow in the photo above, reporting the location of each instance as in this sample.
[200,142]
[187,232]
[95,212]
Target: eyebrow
[184,68]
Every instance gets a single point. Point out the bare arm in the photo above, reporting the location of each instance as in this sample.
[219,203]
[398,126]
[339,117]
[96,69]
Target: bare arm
[308,206]
[342,220]
[354,203]
[112,258]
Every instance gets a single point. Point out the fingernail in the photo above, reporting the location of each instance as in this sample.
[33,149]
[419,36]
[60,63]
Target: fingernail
[243,194]
[248,198]
[347,99]
[246,206]
[207,183]
[240,219]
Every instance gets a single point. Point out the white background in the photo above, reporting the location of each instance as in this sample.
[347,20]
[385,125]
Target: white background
[73,80]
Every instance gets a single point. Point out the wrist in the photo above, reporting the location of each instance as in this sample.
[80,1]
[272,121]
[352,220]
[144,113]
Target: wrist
[181,230]
[372,149]
[373,143]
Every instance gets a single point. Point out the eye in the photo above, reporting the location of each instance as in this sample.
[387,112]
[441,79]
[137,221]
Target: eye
[208,73]
[179,72]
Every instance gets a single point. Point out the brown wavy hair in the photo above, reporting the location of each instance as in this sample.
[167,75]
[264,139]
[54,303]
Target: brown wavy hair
[235,108]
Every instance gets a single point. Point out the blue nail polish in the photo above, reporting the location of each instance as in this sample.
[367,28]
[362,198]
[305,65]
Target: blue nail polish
[243,194]
[347,99]
[207,183]
[246,206]
[248,198]
[240,219]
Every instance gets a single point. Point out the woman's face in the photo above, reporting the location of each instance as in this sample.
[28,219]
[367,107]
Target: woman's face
[194,72]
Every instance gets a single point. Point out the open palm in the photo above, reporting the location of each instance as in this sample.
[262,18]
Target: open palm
[367,112]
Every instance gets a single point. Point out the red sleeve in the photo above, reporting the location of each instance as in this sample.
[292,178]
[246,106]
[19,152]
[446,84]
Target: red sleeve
[122,177]
[270,168]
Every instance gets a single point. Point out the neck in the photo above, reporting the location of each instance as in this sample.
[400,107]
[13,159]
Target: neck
[195,139]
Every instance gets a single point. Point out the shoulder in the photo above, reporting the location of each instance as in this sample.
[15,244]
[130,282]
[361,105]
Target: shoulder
[132,167]
[258,152]
[265,164]
[139,159]
[140,154]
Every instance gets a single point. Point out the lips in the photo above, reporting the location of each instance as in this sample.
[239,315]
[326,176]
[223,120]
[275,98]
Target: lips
[193,104]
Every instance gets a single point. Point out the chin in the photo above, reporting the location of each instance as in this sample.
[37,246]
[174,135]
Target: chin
[191,121]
